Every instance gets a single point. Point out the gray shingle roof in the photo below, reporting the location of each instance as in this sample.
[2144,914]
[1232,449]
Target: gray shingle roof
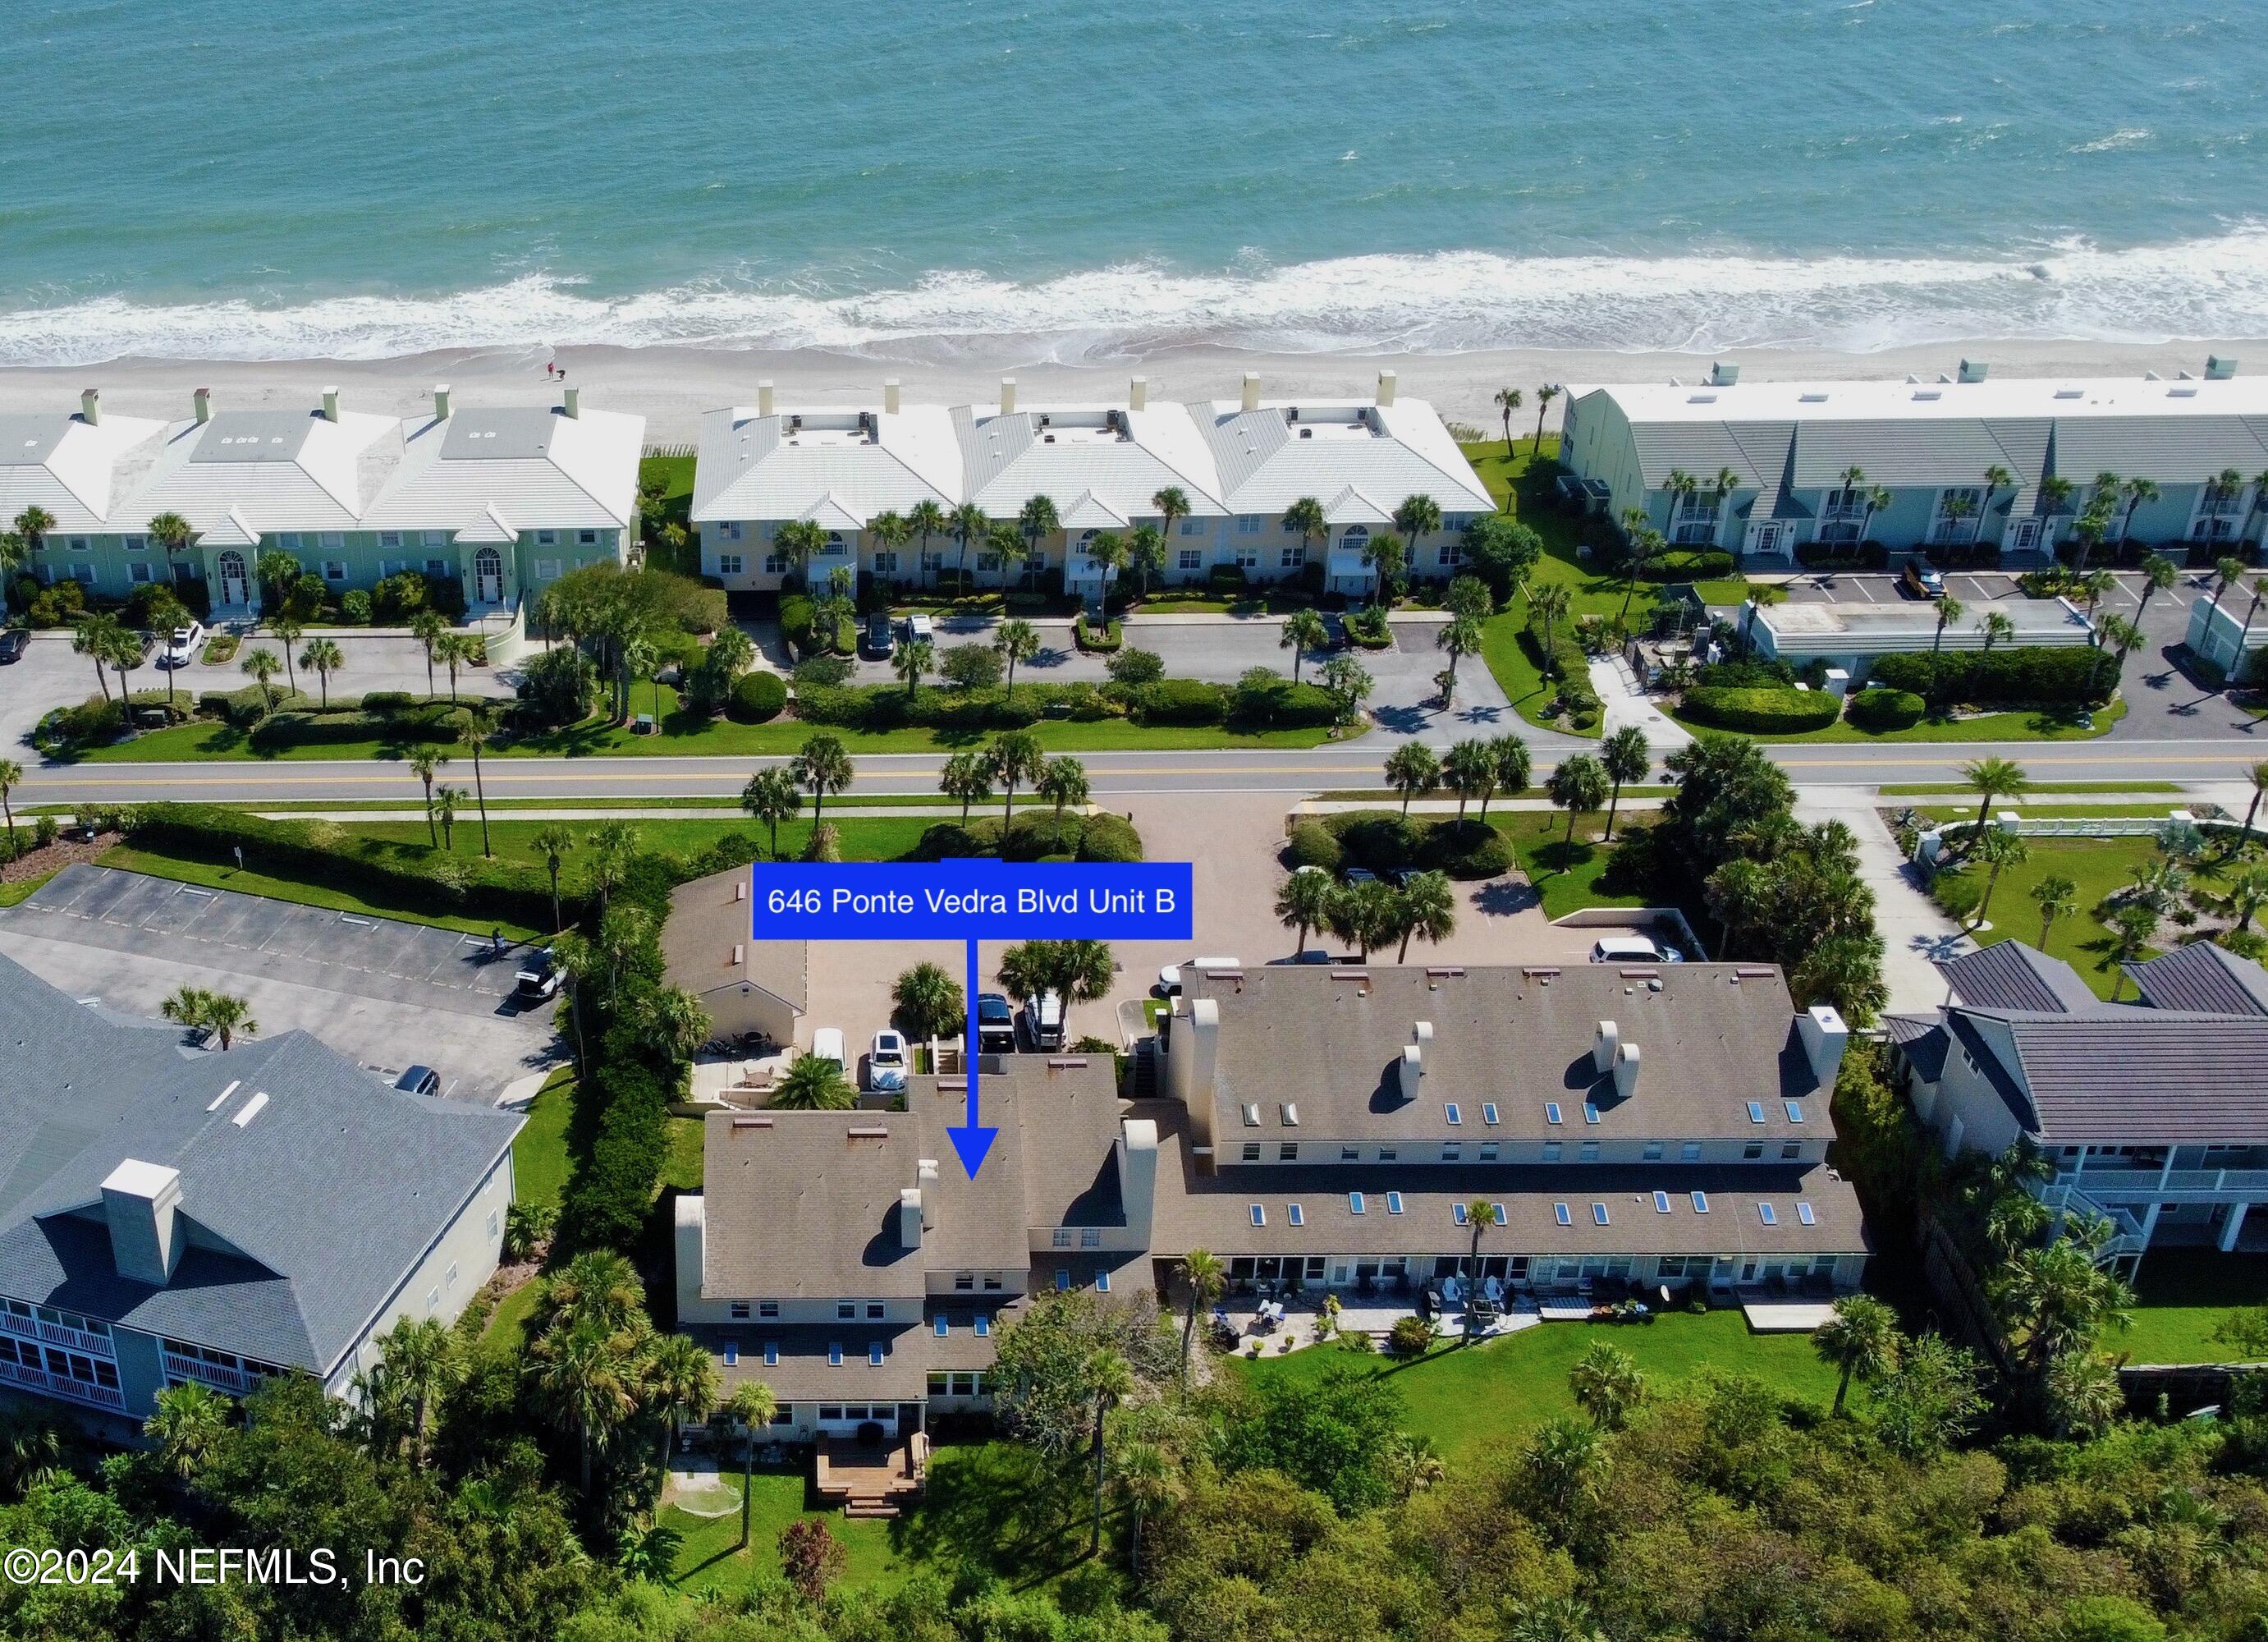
[2009,974]
[2203,976]
[1897,450]
[2120,1075]
[2171,450]
[313,1212]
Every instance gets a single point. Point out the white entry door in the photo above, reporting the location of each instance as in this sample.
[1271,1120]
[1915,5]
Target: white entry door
[488,577]
[233,587]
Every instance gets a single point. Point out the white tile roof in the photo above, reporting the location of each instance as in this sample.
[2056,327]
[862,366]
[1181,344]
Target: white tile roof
[484,470]
[269,469]
[754,466]
[2063,398]
[1271,457]
[74,468]
[1108,454]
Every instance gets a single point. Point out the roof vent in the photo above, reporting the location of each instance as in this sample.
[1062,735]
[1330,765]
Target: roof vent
[1604,1047]
[1723,375]
[1306,433]
[1811,398]
[251,1108]
[1927,394]
[2218,368]
[1700,399]
[1625,1071]
[90,405]
[889,396]
[2071,392]
[1975,369]
[221,1099]
[867,1131]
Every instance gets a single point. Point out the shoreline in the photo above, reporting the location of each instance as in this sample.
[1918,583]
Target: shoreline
[670,386]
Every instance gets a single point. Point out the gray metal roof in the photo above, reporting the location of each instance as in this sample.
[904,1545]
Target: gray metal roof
[28,441]
[2206,977]
[500,433]
[253,436]
[2009,974]
[1701,448]
[2121,1075]
[1897,450]
[2170,449]
[312,1211]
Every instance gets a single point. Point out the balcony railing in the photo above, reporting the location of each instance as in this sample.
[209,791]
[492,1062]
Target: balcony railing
[235,1382]
[56,1334]
[2148,1183]
[61,1386]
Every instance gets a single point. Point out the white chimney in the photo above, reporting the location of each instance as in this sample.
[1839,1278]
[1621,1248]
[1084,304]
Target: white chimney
[1192,1040]
[1137,393]
[201,400]
[2218,367]
[1723,375]
[1604,1047]
[1625,1071]
[1825,1039]
[572,402]
[90,405]
[909,1216]
[1252,390]
[1975,369]
[330,404]
[1007,395]
[890,396]
[441,402]
[139,1200]
[1385,389]
[1138,1177]
[763,399]
[925,1179]
[1411,1071]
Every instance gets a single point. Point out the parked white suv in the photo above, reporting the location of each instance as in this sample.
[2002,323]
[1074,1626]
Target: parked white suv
[181,648]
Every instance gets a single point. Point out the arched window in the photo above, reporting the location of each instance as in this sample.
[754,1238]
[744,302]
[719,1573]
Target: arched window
[1356,538]
[488,575]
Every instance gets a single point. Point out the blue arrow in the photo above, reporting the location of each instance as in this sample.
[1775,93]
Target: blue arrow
[970,1139]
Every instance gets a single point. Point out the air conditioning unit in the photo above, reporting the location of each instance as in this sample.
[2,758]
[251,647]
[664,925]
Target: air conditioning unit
[1292,415]
[796,423]
[1306,433]
[1045,420]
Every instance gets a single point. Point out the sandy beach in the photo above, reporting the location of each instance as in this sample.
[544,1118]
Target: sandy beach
[671,387]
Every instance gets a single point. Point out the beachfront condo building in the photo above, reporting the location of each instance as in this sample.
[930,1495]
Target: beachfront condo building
[1215,480]
[1962,463]
[503,500]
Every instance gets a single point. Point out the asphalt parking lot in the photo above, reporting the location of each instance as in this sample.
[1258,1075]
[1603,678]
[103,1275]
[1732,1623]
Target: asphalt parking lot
[384,992]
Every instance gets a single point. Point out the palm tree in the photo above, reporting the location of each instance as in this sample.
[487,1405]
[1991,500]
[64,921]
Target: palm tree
[926,519]
[1996,627]
[1063,782]
[1036,521]
[1173,505]
[1479,1213]
[1146,554]
[554,844]
[172,533]
[1999,851]
[445,801]
[125,648]
[2132,928]
[1514,767]
[1411,768]
[1011,760]
[889,531]
[2135,492]
[1304,903]
[10,774]
[1205,1276]
[476,736]
[1550,600]
[1419,515]
[1149,1483]
[1365,917]
[1507,401]
[964,776]
[1303,631]
[1577,786]
[1305,518]
[186,1426]
[927,1002]
[1016,641]
[801,541]
[1997,479]
[287,633]
[1460,637]
[814,1083]
[752,1407]
[97,635]
[2258,776]
[1625,756]
[1469,771]
[2056,897]
[2054,1299]
[261,666]
[1992,779]
[914,658]
[226,1016]
[325,657]
[32,524]
[1949,611]
[1607,1385]
[772,797]
[824,766]
[681,1379]
[421,1361]
[428,628]
[425,761]
[967,523]
[2055,495]
[1109,1382]
[1429,907]
[585,1371]
[1860,1341]
[1545,396]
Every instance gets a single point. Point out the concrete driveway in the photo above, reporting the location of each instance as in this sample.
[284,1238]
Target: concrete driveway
[385,992]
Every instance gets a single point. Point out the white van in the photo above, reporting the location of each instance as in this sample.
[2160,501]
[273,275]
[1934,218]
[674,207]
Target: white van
[1627,949]
[1045,1016]
[827,1044]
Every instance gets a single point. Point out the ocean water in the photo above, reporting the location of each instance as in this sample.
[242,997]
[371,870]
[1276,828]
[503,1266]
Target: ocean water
[1012,177]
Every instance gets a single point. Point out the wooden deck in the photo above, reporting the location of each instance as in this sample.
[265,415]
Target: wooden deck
[870,1481]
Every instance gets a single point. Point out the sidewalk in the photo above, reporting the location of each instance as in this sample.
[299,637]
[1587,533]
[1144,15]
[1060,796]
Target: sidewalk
[1625,704]
[1914,933]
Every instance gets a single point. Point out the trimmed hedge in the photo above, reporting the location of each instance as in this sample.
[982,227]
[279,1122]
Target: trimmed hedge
[890,706]
[1284,705]
[757,697]
[1689,565]
[1180,701]
[1385,841]
[1313,846]
[1761,711]
[1103,643]
[1101,837]
[1885,710]
[2019,675]
[301,728]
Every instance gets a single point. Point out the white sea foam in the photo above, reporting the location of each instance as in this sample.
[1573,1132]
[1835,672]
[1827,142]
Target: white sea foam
[1445,302]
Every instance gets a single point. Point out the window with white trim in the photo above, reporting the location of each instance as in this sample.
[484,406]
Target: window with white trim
[1250,523]
[547,570]
[138,574]
[335,570]
[1190,559]
[1292,559]
[389,538]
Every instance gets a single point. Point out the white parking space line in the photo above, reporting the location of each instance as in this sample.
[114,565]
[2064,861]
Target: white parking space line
[1862,587]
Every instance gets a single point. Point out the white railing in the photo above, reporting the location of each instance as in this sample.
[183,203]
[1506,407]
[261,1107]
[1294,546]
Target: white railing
[61,1385]
[2249,1184]
[57,1333]
[232,1381]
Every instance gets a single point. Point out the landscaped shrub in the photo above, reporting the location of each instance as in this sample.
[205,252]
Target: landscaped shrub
[1032,835]
[757,697]
[1136,666]
[1087,638]
[1751,674]
[1573,684]
[1465,849]
[556,685]
[1107,837]
[1312,844]
[1688,566]
[1367,628]
[797,617]
[1761,711]
[1885,710]
[94,722]
[1181,701]
[1271,702]
[2015,677]
[828,668]
[436,723]
[1377,839]
[612,1188]
[387,700]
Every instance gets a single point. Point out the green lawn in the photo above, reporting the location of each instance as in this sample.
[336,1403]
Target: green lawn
[539,1151]
[1991,726]
[711,1558]
[1470,1400]
[1567,879]
[23,889]
[864,838]
[1930,789]
[2183,1294]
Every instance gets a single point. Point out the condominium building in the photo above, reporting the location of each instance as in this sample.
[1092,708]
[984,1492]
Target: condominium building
[79,470]
[170,1214]
[1964,461]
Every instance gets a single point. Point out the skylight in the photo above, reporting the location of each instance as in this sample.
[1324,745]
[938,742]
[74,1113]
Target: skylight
[1457,1213]
[1755,1111]
[1590,1113]
[771,1353]
[1496,1212]
[1795,1110]
[942,1328]
[1598,1214]
[1354,1203]
[1455,1116]
[1259,1214]
[1251,1115]
[835,1353]
[732,1353]
[1551,1111]
[1764,1213]
[1394,1202]
[1803,1213]
[1488,1111]
[1661,1203]
[984,1324]
[1559,1213]
[1700,1203]
[874,1355]
[1294,1213]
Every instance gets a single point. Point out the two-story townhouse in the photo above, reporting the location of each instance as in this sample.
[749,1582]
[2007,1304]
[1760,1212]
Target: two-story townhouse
[1759,469]
[1627,1127]
[79,470]
[839,467]
[505,499]
[251,481]
[2154,1114]
[744,987]
[1361,462]
[170,1214]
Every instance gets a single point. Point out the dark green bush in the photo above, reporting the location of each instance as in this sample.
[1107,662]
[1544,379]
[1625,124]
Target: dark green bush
[1283,705]
[556,685]
[1684,565]
[2015,676]
[1367,628]
[1761,711]
[387,700]
[828,668]
[611,1190]
[1181,701]
[1313,846]
[1377,839]
[1885,710]
[94,722]
[1107,837]
[757,698]
[1465,849]
[1107,639]
[797,617]
[1573,684]
[1385,842]
[437,722]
